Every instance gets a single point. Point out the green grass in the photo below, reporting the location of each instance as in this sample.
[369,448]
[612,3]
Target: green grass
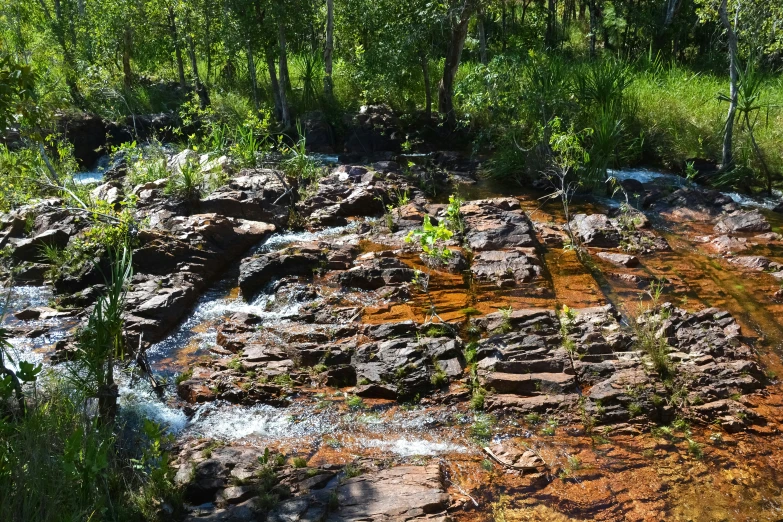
[57,463]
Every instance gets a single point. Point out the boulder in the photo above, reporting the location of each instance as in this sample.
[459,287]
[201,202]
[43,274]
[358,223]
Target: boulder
[255,272]
[318,134]
[400,493]
[111,193]
[507,268]
[256,194]
[619,259]
[595,230]
[743,221]
[31,249]
[490,226]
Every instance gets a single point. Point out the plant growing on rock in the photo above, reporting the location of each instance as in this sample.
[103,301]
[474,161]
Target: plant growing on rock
[187,182]
[648,328]
[101,342]
[431,239]
[567,157]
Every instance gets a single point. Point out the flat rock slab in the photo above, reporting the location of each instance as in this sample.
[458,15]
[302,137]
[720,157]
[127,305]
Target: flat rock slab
[398,494]
[507,268]
[743,221]
[529,383]
[619,259]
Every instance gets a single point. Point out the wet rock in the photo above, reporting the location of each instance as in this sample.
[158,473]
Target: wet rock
[534,404]
[619,259]
[377,391]
[375,273]
[338,197]
[507,268]
[595,230]
[743,221]
[111,193]
[726,244]
[257,271]
[31,249]
[696,204]
[400,493]
[318,134]
[407,363]
[492,225]
[374,129]
[390,330]
[255,194]
[173,268]
[195,388]
[31,273]
[757,263]
[529,384]
[87,133]
[527,320]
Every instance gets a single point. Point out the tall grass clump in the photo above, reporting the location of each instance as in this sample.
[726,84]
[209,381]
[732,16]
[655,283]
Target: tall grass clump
[648,327]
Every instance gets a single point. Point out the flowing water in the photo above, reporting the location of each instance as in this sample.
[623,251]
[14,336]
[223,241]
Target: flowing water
[737,482]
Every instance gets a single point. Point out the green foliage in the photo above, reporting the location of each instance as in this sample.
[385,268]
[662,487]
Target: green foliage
[481,429]
[647,328]
[299,462]
[57,463]
[187,182]
[355,402]
[430,238]
[439,377]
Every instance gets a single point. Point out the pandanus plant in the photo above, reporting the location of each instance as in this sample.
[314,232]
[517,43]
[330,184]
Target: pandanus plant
[751,103]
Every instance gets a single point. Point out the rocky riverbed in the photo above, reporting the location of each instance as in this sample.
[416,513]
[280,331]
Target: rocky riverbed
[310,376]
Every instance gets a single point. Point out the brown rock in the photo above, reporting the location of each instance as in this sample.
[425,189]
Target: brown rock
[619,259]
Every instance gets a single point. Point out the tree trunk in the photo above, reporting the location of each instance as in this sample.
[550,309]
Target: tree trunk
[731,30]
[551,24]
[177,49]
[593,25]
[459,32]
[270,65]
[482,40]
[201,90]
[251,68]
[503,23]
[127,45]
[329,49]
[425,71]
[285,112]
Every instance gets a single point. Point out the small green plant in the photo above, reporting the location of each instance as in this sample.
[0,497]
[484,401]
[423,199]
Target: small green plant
[533,419]
[481,429]
[355,402]
[298,165]
[477,398]
[184,376]
[235,364]
[187,182]
[647,328]
[352,470]
[695,449]
[470,352]
[436,330]
[439,377]
[283,379]
[550,428]
[299,462]
[454,216]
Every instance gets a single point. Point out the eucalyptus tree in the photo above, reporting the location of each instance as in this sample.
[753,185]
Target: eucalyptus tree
[460,13]
[61,19]
[752,29]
